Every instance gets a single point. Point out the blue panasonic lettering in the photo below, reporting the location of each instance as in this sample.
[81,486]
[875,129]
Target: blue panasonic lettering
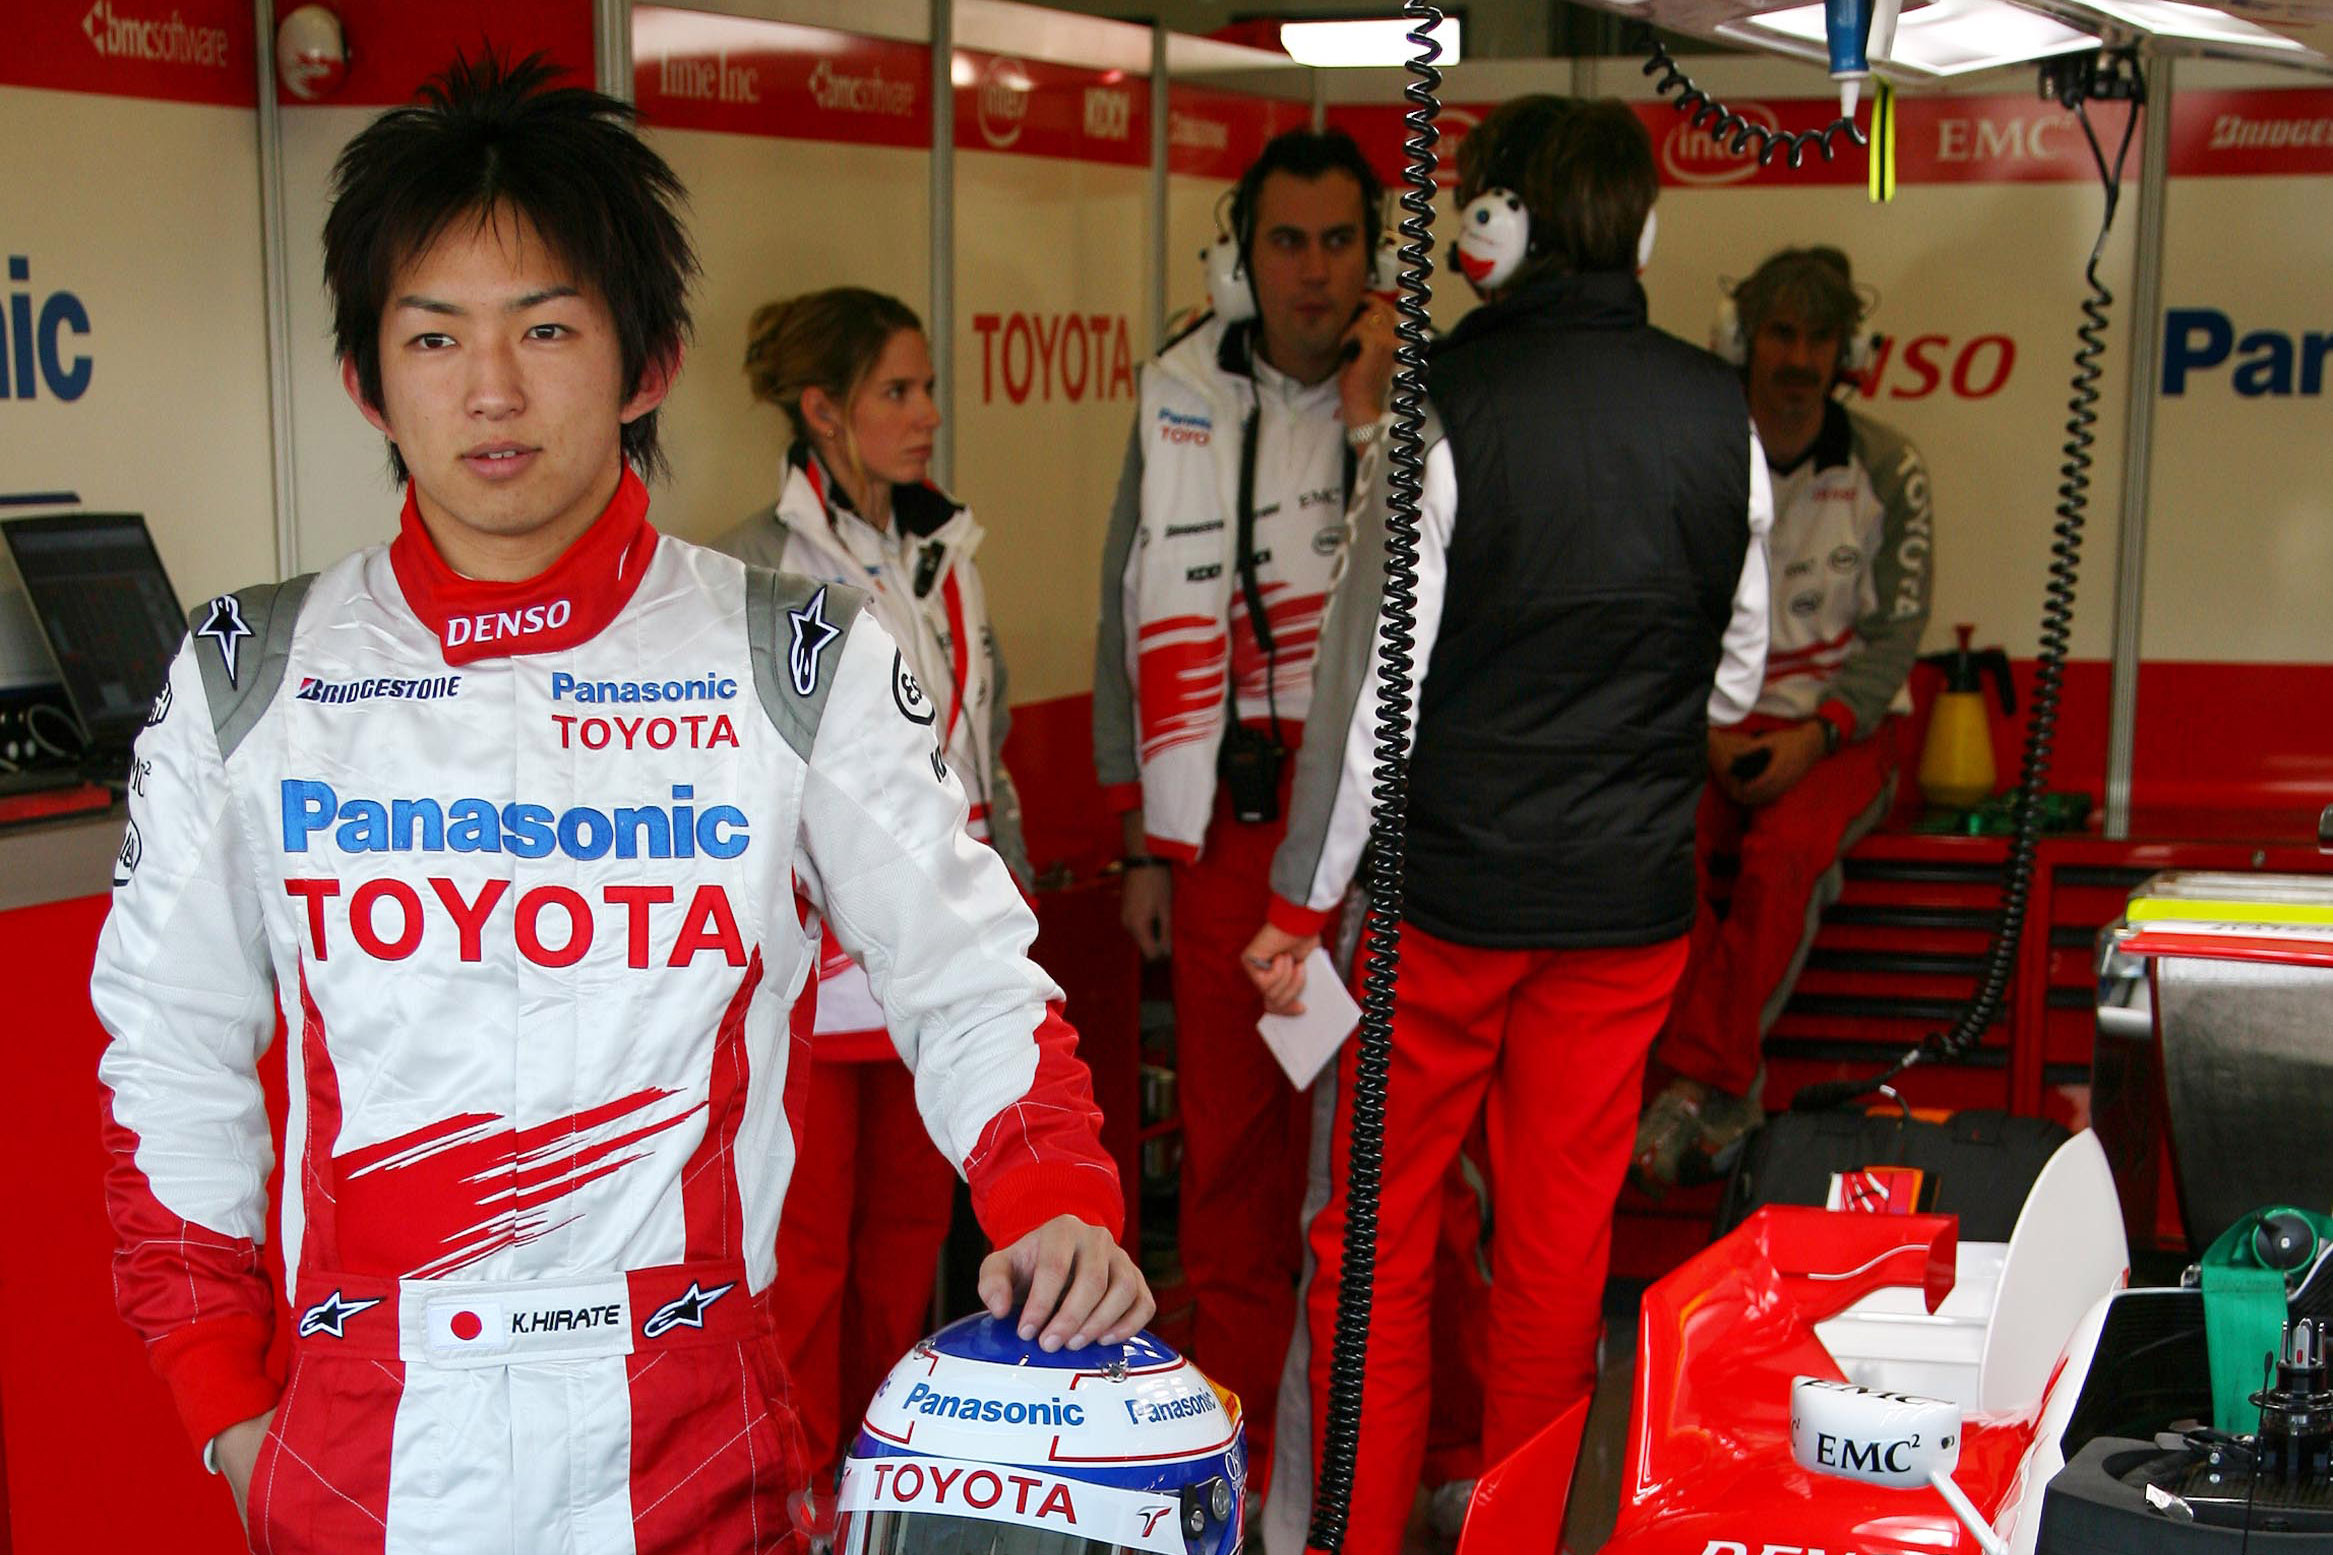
[925,1400]
[704,688]
[473,826]
[406,814]
[2183,351]
[526,830]
[585,834]
[364,827]
[30,353]
[710,842]
[631,823]
[2268,362]
[531,831]
[307,808]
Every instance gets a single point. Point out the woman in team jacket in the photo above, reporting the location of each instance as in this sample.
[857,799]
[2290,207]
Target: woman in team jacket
[871,1199]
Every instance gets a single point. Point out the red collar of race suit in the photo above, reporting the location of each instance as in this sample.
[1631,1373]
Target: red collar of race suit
[567,603]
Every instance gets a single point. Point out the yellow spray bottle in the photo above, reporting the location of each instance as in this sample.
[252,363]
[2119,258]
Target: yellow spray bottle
[1956,763]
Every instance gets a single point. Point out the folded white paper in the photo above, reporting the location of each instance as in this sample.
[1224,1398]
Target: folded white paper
[1305,1043]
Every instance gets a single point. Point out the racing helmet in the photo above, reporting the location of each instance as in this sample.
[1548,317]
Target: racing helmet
[981,1443]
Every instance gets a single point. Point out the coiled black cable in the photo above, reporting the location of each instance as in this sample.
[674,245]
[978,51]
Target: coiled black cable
[1389,788]
[2057,627]
[1729,128]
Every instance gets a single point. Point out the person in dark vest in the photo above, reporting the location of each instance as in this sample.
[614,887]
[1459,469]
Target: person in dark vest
[1592,595]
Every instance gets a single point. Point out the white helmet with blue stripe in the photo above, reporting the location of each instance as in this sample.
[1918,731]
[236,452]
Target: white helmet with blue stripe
[980,1443]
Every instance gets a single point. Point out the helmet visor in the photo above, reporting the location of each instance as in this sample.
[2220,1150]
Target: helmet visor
[930,1533]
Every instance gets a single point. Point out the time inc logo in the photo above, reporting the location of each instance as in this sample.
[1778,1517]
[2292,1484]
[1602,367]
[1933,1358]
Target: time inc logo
[31,353]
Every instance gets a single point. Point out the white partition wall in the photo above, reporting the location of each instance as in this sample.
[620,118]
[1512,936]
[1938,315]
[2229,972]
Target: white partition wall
[133,369]
[805,151]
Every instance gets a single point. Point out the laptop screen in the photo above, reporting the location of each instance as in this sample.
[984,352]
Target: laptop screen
[103,601]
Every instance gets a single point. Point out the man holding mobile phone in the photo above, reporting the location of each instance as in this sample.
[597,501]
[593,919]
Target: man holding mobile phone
[1228,528]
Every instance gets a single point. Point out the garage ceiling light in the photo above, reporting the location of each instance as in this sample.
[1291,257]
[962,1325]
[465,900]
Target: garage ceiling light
[1947,38]
[2187,23]
[1356,43]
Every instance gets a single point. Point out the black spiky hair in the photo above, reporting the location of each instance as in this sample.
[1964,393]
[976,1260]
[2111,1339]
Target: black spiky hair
[489,138]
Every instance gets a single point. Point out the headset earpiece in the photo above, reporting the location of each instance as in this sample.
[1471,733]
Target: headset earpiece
[1385,266]
[1494,238]
[1225,261]
[1725,334]
[1228,292]
[1644,240]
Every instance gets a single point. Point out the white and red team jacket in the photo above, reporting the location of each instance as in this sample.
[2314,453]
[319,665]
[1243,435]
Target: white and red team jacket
[1172,610]
[535,874]
[921,585]
[1854,568]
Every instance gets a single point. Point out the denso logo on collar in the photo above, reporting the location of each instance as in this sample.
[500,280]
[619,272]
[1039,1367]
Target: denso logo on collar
[500,625]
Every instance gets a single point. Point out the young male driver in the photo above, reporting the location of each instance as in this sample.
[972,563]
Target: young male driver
[529,820]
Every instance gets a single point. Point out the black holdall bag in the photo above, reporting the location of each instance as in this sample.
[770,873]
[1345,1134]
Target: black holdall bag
[1980,1164]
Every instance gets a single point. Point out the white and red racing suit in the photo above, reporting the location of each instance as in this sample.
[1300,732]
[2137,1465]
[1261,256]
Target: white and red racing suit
[535,873]
[861,1236]
[1853,573]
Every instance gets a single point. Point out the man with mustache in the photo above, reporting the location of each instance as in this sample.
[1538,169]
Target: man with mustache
[1814,767]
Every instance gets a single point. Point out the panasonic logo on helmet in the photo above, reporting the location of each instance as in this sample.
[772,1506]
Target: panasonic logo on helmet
[679,830]
[924,1400]
[705,688]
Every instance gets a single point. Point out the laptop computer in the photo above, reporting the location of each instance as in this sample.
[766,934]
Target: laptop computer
[111,620]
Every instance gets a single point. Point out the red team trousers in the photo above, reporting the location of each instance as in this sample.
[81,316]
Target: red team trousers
[1745,964]
[1547,1048]
[858,1243]
[1246,1130]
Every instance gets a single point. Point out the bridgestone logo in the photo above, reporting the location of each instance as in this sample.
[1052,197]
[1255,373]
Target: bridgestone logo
[430,690]
[2232,131]
[870,93]
[173,42]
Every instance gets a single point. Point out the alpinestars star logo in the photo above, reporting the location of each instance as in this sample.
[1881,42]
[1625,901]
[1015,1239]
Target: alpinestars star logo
[685,1311]
[812,632]
[225,627]
[326,1316]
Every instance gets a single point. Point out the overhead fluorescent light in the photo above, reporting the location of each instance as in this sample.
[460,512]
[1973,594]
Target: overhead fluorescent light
[2189,23]
[1333,45]
[1946,38]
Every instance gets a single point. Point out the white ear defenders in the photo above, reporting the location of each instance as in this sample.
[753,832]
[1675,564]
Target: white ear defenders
[1494,238]
[1385,264]
[1228,292]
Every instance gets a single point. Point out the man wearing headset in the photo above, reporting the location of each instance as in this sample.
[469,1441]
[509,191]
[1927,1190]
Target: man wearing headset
[1228,525]
[1591,597]
[1814,768]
